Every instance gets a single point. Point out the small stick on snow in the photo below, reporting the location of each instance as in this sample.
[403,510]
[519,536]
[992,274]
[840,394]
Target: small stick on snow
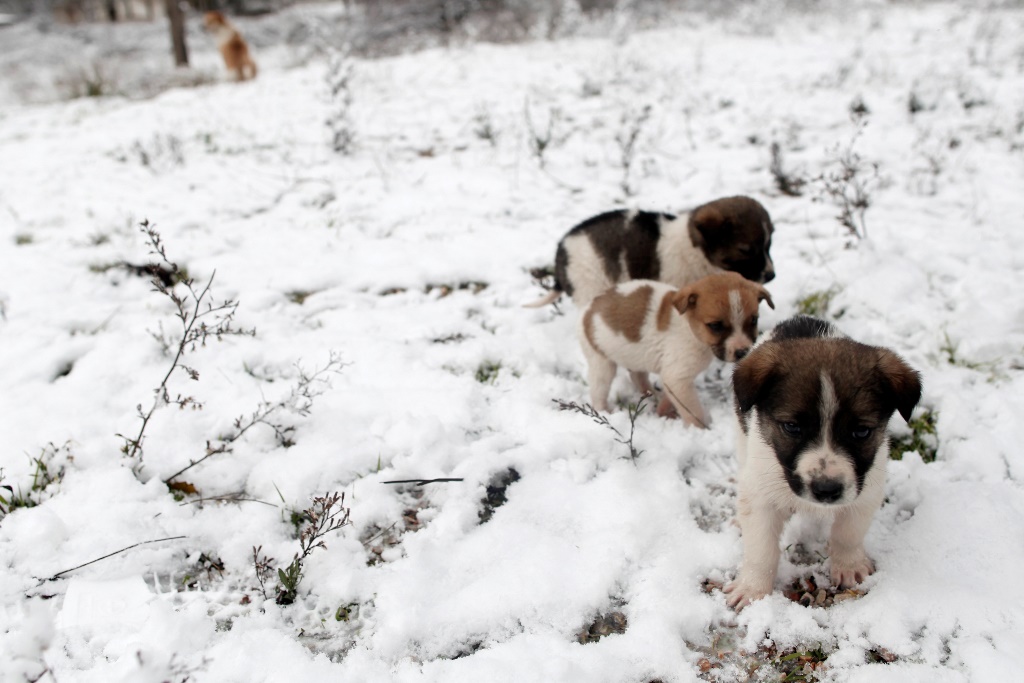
[421,482]
[229,498]
[116,552]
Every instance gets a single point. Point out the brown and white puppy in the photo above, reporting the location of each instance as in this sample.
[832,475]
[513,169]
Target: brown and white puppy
[728,234]
[648,326]
[233,47]
[812,407]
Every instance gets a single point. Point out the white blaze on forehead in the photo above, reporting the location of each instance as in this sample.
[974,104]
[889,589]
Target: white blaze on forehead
[823,461]
[736,309]
[738,338]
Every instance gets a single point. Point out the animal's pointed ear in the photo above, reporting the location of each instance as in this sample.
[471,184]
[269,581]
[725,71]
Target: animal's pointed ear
[705,223]
[684,300]
[763,295]
[904,382]
[753,377]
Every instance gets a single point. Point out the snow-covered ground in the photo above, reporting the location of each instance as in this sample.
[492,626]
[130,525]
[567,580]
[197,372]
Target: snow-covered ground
[409,259]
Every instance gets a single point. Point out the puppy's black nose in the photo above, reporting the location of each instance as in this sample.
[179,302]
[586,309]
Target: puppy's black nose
[740,353]
[827,490]
[769,275]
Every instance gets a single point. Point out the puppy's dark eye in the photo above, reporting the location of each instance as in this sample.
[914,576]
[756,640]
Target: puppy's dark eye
[791,428]
[716,327]
[861,432]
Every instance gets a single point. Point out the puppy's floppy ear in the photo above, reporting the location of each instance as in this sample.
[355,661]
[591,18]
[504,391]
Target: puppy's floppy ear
[753,377]
[904,382]
[684,300]
[763,295]
[705,223]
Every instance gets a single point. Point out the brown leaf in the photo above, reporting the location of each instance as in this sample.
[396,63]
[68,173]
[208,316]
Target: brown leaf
[183,487]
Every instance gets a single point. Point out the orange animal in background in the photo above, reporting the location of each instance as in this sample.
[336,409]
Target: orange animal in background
[232,45]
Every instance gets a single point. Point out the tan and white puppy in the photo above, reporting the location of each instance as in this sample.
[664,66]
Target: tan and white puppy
[727,234]
[648,326]
[812,407]
[232,46]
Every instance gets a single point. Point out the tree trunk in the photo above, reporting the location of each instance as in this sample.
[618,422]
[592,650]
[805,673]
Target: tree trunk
[177,21]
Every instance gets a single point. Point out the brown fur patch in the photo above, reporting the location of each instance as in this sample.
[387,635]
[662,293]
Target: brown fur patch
[623,314]
[233,47]
[735,234]
[783,379]
[710,311]
[665,311]
[588,326]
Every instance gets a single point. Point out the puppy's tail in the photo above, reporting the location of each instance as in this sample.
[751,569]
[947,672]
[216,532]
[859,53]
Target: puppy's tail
[549,298]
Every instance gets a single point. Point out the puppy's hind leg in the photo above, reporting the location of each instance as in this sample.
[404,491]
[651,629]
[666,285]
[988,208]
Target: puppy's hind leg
[683,396]
[641,381]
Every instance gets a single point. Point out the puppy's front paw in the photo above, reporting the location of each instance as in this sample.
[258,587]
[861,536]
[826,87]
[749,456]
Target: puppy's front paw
[849,571]
[743,591]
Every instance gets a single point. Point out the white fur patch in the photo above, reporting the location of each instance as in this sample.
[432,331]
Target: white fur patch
[825,462]
[738,339]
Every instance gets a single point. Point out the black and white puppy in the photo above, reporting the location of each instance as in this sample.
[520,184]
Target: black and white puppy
[812,407]
[728,234]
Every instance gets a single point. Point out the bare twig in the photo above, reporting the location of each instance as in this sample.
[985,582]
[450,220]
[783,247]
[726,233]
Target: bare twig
[591,412]
[786,182]
[238,497]
[380,533]
[194,330]
[631,125]
[116,552]
[264,568]
[850,184]
[299,401]
[421,482]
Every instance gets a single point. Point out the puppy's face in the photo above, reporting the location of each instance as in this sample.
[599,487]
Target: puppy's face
[722,312]
[735,234]
[823,406]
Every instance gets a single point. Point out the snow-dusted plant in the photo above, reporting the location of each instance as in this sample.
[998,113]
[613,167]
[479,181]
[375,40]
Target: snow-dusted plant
[298,401]
[92,79]
[326,515]
[849,182]
[340,68]
[633,410]
[631,126]
[543,130]
[200,320]
[47,469]
[787,182]
[483,125]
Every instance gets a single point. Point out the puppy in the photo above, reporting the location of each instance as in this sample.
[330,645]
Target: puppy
[812,407]
[729,234]
[648,326]
[233,47]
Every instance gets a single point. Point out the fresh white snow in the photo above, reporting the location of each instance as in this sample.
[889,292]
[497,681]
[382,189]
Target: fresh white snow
[330,253]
